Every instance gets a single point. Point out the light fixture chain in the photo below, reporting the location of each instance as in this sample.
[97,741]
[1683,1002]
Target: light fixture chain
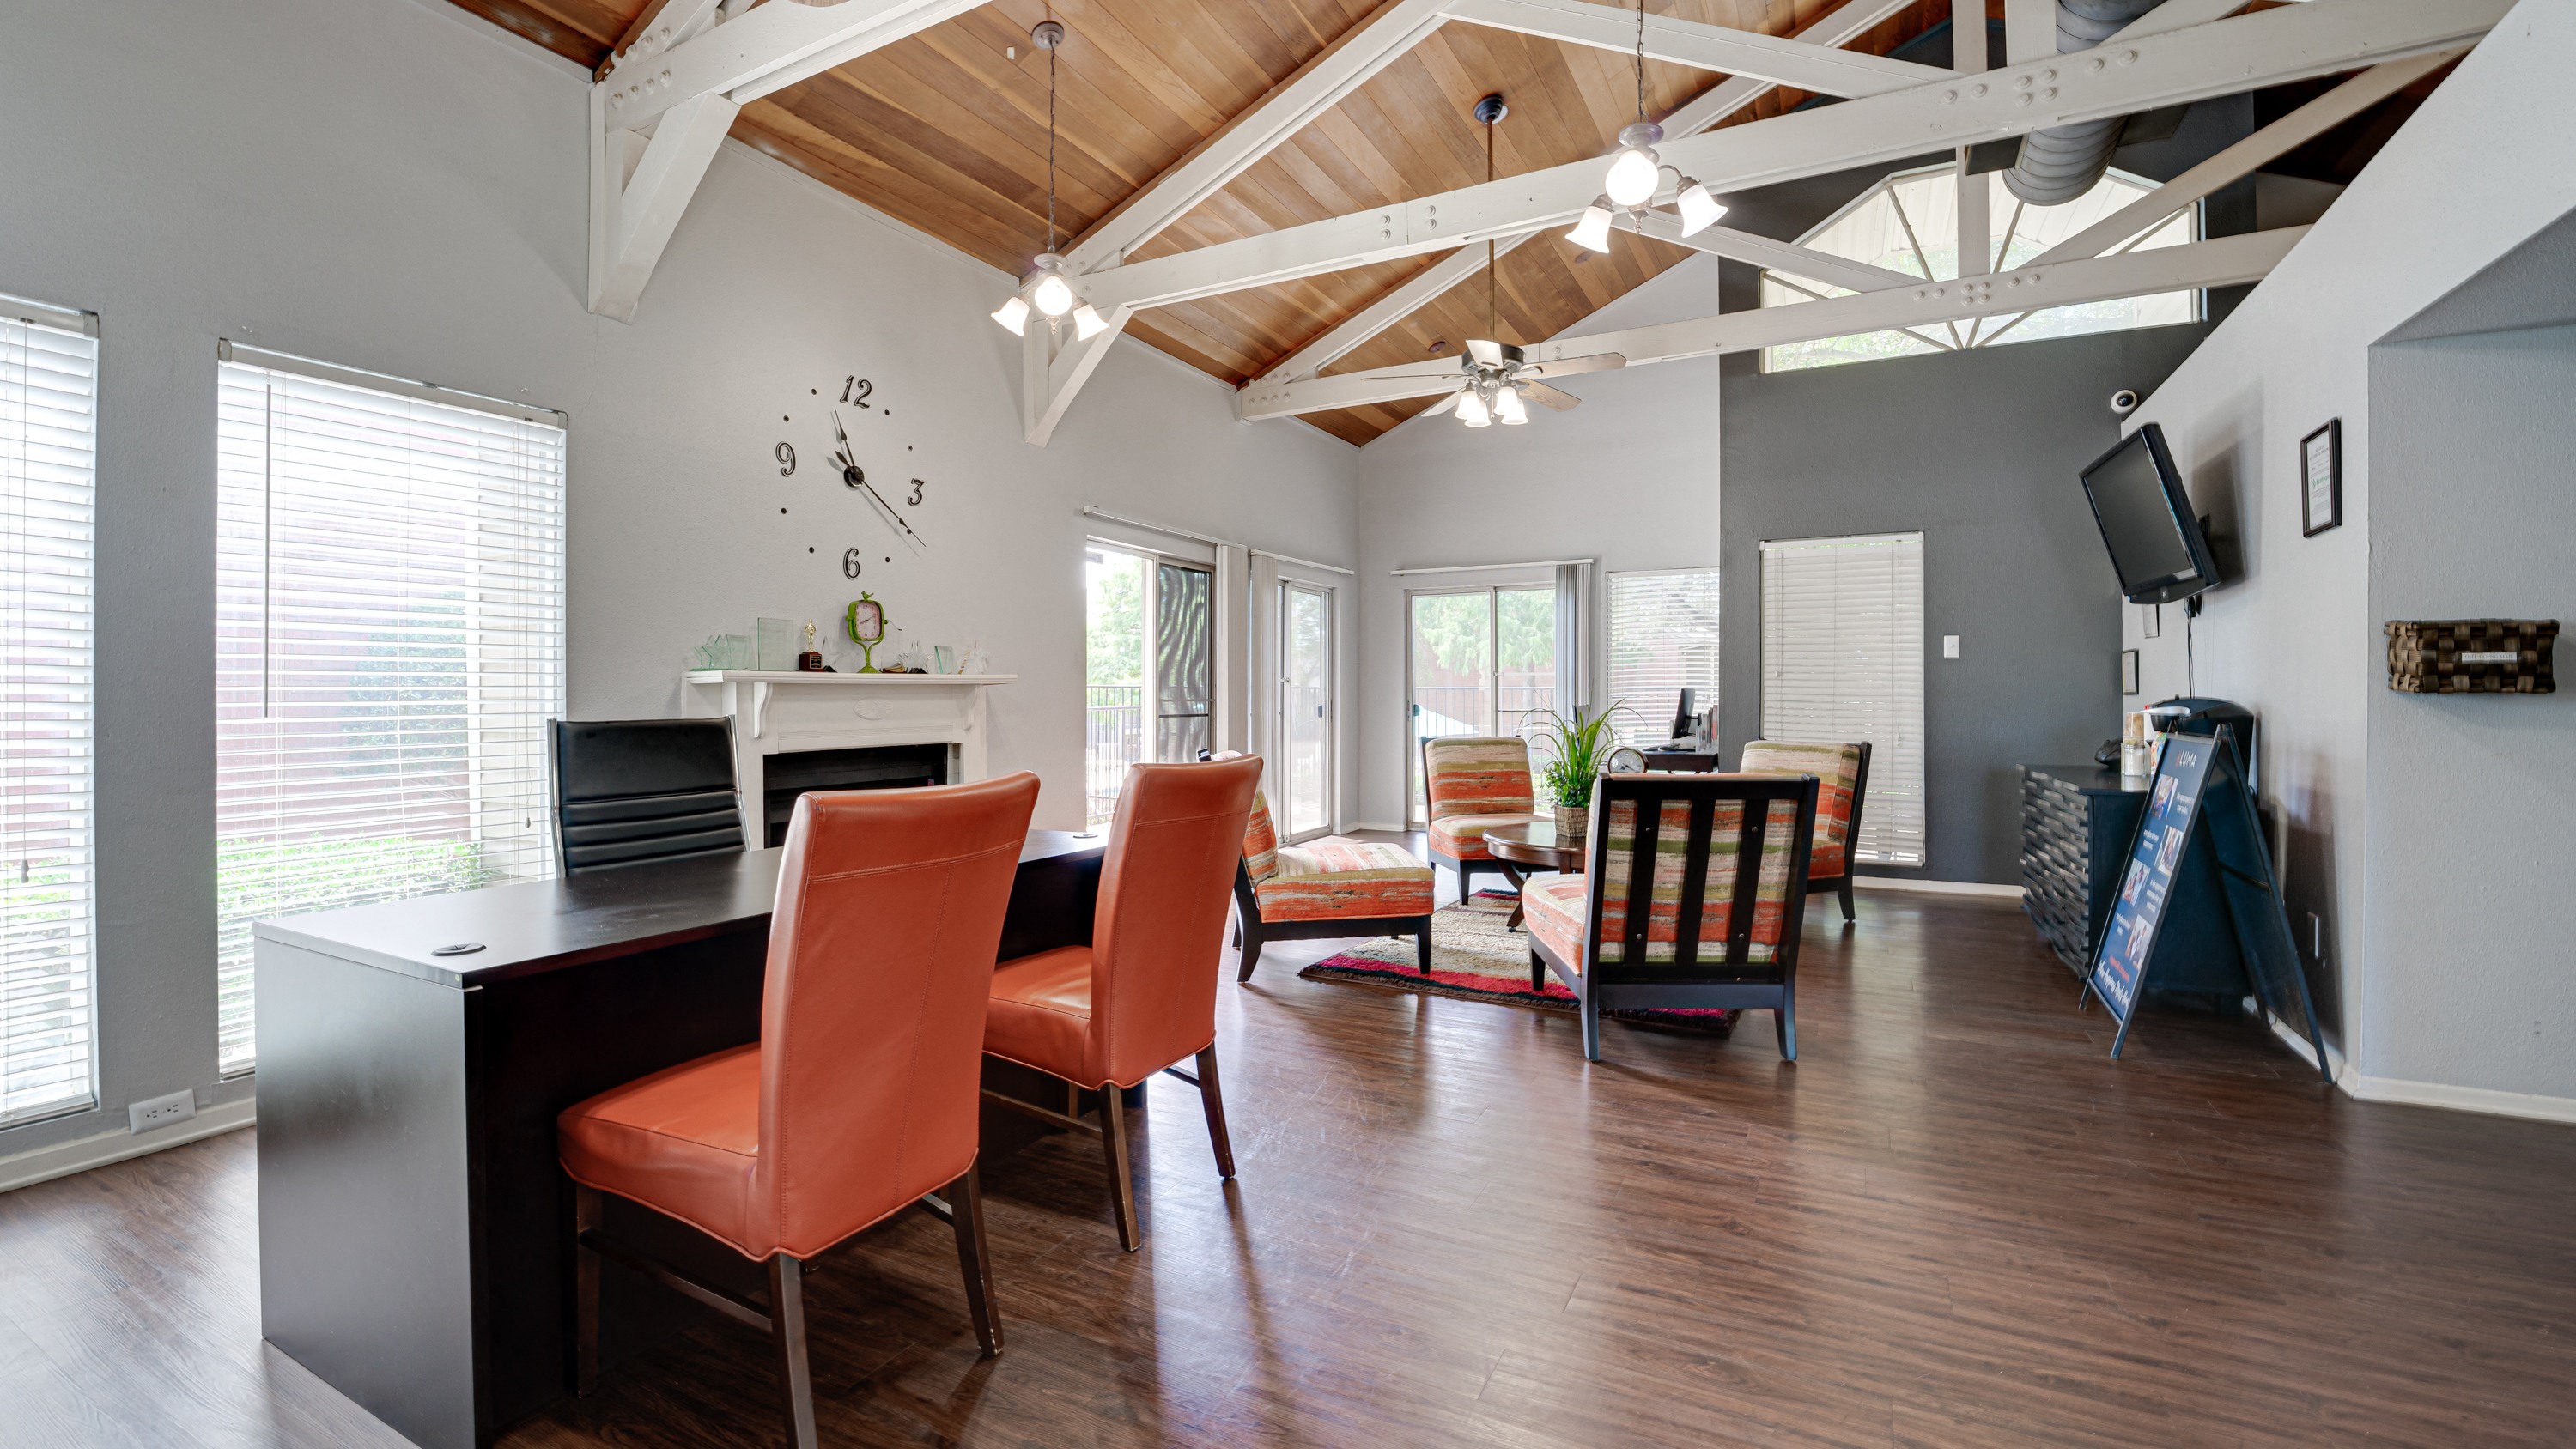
[1051,50]
[1641,59]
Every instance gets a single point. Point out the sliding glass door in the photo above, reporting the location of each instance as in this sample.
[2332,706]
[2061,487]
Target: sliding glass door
[1305,710]
[1147,668]
[1479,662]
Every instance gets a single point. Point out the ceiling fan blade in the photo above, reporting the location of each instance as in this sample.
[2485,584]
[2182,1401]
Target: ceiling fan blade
[1485,351]
[1445,404]
[1545,396]
[1568,366]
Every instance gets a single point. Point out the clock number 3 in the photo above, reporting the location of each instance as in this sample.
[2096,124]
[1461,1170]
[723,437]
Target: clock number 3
[786,460]
[855,390]
[915,499]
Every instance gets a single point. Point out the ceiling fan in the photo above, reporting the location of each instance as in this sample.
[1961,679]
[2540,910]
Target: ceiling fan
[1497,385]
[1496,380]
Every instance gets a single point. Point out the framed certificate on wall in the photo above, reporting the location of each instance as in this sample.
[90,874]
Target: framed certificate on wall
[2321,479]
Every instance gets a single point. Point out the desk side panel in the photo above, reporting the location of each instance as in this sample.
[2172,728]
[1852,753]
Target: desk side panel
[365,1243]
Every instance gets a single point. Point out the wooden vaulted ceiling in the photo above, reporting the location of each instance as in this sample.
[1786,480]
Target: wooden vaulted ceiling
[946,130]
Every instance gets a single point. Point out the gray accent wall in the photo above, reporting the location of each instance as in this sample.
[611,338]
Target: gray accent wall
[1978,451]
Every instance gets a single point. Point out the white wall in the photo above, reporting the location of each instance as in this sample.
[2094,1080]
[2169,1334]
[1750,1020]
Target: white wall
[2486,163]
[1629,478]
[396,185]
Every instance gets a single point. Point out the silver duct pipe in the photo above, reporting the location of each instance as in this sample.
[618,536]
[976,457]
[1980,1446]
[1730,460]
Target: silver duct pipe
[2062,163]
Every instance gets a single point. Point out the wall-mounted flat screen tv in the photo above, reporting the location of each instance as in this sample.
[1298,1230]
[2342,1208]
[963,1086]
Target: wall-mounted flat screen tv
[2147,523]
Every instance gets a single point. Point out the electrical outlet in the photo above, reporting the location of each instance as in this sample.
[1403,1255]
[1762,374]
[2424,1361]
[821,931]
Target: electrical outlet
[161,1111]
[1949,646]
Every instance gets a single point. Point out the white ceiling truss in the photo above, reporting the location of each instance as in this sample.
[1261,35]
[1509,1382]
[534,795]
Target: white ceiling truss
[667,98]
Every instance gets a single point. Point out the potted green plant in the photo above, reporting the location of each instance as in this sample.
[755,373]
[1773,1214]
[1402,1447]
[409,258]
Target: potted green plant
[1576,752]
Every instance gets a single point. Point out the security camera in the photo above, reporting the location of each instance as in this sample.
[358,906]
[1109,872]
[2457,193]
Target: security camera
[2123,403]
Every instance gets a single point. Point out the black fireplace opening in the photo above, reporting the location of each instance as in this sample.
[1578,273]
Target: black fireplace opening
[878,767]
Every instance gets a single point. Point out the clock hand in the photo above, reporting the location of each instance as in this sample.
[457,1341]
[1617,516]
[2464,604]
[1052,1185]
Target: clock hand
[896,518]
[851,473]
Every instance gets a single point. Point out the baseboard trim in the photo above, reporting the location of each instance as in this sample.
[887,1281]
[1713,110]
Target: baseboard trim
[1390,829]
[2530,1106]
[1936,887]
[44,1164]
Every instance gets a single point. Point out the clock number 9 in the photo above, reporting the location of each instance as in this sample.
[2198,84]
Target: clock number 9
[850,564]
[786,461]
[915,499]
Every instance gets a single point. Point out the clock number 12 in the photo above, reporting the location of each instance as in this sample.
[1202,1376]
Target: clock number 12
[855,390]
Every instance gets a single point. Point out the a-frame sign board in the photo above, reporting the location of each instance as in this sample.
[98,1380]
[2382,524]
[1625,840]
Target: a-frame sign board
[2200,802]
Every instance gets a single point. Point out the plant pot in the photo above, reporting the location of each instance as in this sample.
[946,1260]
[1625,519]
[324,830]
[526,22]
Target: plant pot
[1571,823]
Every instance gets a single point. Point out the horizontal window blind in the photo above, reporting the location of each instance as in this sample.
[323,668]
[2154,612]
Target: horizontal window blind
[48,454]
[1842,661]
[1663,640]
[389,639]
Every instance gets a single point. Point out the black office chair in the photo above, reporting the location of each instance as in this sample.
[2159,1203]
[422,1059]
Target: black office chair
[638,790]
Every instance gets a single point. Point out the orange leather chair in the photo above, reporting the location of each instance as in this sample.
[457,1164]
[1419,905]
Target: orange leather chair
[1142,995]
[859,1099]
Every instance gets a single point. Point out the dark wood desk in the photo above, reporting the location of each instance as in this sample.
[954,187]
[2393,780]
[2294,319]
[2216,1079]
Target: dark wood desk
[413,1219]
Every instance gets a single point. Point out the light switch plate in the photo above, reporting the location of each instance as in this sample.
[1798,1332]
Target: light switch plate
[1949,646]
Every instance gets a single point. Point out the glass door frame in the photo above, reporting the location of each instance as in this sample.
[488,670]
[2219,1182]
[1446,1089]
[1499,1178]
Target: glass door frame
[1331,707]
[1416,802]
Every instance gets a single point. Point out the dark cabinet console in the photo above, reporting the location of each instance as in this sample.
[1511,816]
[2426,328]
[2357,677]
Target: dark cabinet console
[2076,821]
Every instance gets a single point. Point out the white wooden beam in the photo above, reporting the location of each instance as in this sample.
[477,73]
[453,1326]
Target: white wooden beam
[2030,30]
[1762,251]
[631,223]
[1316,87]
[1802,63]
[2223,58]
[687,68]
[1855,19]
[2246,156]
[2223,262]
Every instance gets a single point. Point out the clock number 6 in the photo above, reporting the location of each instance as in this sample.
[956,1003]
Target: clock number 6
[850,564]
[915,499]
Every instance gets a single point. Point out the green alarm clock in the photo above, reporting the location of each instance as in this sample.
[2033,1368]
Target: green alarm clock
[866,624]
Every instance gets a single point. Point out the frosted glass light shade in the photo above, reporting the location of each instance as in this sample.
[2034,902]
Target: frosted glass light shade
[1013,315]
[1593,231]
[1700,210]
[1087,322]
[1471,410]
[1054,296]
[1509,410]
[1633,173]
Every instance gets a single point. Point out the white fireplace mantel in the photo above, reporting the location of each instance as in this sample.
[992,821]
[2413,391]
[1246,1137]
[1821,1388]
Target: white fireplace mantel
[782,712]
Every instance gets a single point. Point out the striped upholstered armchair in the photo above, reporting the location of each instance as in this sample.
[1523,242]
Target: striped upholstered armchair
[1326,889]
[1843,771]
[1475,783]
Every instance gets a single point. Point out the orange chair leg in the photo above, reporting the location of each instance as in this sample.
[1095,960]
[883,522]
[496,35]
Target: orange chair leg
[1214,1103]
[787,1333]
[966,1214]
[1122,1190]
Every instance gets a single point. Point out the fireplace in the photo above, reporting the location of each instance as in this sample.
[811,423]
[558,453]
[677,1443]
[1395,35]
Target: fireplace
[878,767]
[798,732]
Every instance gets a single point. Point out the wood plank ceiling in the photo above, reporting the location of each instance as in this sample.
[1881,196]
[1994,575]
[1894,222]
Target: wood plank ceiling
[946,130]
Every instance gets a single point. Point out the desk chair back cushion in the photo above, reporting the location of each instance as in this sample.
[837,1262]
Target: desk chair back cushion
[1837,769]
[629,791]
[1742,914]
[871,1044]
[1472,781]
[1164,890]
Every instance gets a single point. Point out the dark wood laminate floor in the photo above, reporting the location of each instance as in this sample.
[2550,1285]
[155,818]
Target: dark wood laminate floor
[1951,1223]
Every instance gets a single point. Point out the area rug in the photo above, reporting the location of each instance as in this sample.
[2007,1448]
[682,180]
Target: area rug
[1474,957]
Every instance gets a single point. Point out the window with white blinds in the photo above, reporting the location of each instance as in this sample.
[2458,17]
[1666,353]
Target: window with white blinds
[1663,640]
[389,643]
[1842,661]
[48,468]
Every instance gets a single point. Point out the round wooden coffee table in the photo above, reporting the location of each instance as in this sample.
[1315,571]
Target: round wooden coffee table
[1532,847]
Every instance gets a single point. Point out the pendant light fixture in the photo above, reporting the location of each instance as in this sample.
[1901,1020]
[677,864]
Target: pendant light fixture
[1636,173]
[1048,292]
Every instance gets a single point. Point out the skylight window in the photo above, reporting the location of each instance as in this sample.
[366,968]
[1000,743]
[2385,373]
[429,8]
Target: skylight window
[1909,223]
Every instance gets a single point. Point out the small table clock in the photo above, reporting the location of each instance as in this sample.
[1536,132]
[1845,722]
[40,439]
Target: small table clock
[866,623]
